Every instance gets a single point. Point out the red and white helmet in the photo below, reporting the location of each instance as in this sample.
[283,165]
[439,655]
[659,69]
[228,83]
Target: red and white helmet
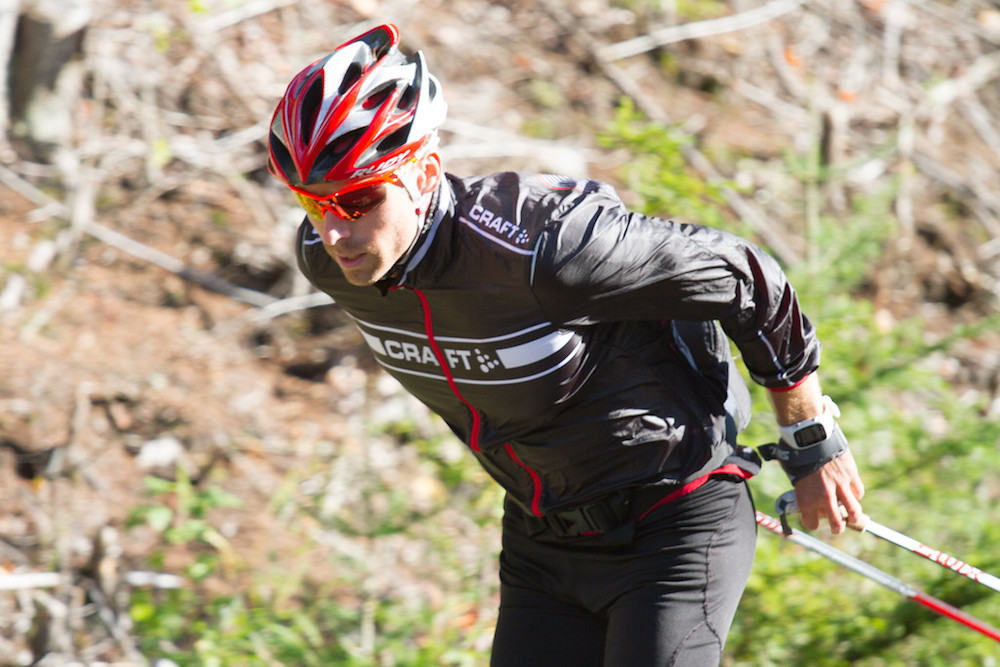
[361,112]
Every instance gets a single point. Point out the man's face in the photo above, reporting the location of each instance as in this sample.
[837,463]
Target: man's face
[366,249]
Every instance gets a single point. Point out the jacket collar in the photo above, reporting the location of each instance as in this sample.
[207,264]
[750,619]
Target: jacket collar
[440,205]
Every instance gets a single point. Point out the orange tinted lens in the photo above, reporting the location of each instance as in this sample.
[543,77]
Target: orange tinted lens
[361,200]
[310,205]
[347,205]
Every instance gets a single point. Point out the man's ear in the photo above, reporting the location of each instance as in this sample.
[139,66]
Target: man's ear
[429,172]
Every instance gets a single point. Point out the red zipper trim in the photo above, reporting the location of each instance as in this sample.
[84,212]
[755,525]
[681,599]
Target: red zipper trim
[536,496]
[429,330]
[536,480]
[695,484]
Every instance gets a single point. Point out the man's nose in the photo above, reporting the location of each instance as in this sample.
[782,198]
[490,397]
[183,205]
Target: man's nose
[333,229]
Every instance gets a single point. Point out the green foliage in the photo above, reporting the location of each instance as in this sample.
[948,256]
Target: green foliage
[159,154]
[657,171]
[920,448]
[183,519]
[927,453]
[288,616]
[690,10]
[194,629]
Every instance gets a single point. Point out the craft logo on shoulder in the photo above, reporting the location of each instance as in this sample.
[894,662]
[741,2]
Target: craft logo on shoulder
[504,228]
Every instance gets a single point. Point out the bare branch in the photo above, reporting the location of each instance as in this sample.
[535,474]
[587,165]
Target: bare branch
[290,305]
[982,122]
[984,204]
[698,29]
[980,73]
[28,580]
[242,13]
[176,266]
[747,211]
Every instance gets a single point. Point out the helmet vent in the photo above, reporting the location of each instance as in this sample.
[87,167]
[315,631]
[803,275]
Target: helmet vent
[333,152]
[378,97]
[281,158]
[351,77]
[407,99]
[394,140]
[309,110]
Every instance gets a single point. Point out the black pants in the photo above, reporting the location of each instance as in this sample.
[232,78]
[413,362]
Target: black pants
[663,593]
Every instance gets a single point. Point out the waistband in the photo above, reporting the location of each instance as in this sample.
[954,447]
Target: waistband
[616,508]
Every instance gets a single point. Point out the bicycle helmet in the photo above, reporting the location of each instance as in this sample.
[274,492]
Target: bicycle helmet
[361,112]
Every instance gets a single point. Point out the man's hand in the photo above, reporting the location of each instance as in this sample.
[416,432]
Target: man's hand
[823,493]
[837,482]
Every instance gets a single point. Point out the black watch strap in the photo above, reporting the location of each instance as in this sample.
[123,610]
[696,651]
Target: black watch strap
[814,449]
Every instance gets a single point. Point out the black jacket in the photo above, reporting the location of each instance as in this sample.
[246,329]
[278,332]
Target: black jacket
[543,322]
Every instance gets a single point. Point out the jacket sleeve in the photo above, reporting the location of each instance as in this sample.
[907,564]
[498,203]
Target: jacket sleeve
[597,262]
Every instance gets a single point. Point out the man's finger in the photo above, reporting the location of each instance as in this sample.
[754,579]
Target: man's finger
[810,521]
[852,508]
[835,518]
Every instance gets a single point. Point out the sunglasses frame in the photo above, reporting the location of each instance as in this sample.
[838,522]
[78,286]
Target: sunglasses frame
[329,202]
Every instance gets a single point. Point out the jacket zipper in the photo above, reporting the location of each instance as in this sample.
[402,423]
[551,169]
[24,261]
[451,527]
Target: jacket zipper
[536,480]
[429,330]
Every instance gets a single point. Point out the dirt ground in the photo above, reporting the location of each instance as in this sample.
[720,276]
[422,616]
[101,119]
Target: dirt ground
[112,368]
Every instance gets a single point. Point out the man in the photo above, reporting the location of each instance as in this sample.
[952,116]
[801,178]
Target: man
[573,346]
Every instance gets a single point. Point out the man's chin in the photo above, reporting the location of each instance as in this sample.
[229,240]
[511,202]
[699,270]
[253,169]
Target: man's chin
[358,271]
[360,281]
[362,276]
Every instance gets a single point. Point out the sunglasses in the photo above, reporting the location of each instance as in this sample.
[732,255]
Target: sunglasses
[350,203]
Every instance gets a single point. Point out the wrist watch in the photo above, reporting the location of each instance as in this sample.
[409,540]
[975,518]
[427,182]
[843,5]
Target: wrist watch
[808,432]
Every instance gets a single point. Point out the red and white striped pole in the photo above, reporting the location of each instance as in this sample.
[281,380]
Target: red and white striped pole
[876,575]
[787,504]
[939,557]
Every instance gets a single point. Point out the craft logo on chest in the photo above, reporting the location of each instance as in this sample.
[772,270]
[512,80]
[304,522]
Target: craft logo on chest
[503,358]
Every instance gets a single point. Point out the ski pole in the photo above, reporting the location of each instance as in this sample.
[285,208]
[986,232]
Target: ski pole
[877,575]
[787,504]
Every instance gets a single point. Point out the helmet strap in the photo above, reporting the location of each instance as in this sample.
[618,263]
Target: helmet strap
[420,199]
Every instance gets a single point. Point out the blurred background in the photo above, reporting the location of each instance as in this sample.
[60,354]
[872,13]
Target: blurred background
[200,463]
